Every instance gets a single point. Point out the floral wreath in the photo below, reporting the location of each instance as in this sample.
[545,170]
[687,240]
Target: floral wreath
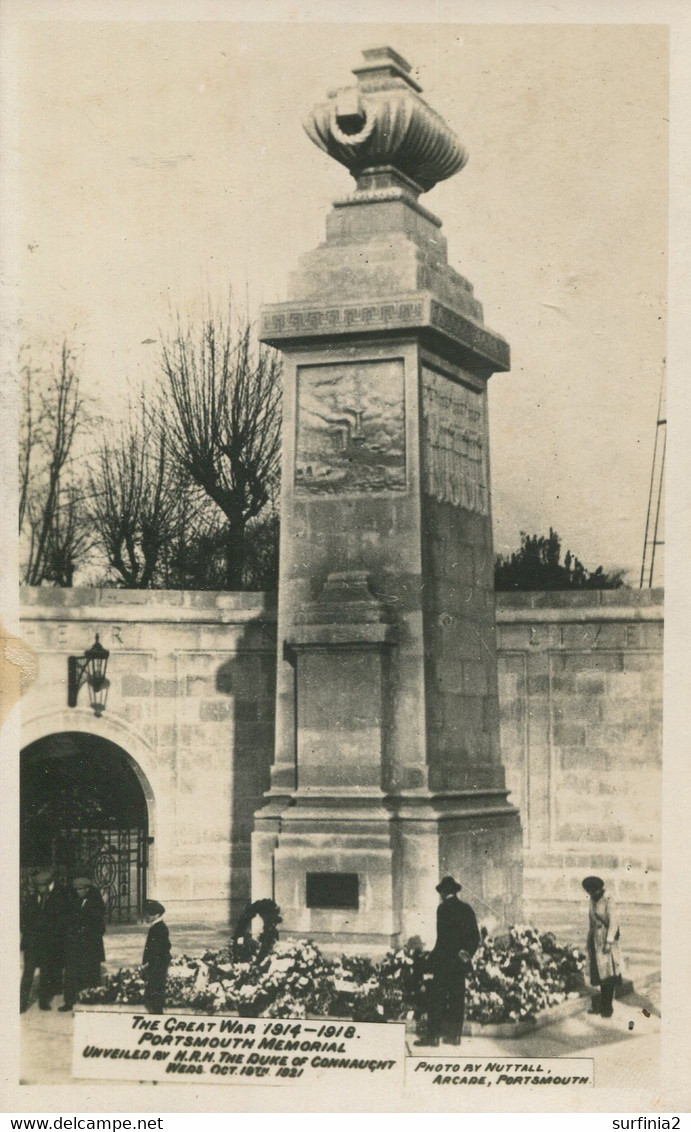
[271,917]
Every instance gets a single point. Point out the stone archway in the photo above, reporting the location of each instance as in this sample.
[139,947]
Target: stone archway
[83,804]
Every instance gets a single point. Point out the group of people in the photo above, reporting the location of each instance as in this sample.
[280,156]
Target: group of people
[62,927]
[458,938]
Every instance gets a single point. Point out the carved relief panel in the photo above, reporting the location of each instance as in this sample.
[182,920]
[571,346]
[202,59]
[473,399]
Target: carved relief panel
[454,443]
[350,428]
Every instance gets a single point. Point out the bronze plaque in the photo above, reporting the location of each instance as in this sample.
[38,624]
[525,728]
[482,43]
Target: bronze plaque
[350,428]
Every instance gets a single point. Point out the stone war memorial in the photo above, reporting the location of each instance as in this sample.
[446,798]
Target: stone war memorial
[387,770]
[253,803]
[341,753]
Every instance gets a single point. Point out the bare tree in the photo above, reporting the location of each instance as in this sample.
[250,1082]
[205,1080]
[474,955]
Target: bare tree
[222,419]
[135,499]
[28,437]
[51,515]
[70,538]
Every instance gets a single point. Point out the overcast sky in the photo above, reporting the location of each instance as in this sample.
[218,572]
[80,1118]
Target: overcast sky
[163,161]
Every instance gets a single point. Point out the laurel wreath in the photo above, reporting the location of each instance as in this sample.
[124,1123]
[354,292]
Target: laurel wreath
[270,915]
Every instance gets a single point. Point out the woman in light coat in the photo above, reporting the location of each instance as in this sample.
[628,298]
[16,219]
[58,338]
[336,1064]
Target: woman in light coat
[603,944]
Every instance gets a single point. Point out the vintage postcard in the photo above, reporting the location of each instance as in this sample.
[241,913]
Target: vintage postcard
[336,631]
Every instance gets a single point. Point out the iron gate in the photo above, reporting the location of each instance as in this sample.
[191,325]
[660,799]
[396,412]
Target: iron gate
[117,860]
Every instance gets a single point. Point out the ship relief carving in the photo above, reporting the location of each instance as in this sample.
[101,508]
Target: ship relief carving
[350,429]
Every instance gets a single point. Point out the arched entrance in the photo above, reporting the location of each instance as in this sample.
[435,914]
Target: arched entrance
[82,803]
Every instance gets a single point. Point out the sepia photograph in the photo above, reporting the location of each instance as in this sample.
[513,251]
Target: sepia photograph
[336,403]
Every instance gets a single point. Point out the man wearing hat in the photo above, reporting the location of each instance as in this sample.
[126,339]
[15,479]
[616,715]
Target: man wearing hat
[40,919]
[603,945]
[84,950]
[458,938]
[156,957]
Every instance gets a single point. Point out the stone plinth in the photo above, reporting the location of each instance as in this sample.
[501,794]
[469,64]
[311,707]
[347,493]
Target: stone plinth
[387,769]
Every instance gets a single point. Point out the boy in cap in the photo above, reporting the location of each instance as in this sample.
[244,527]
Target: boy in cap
[458,938]
[156,957]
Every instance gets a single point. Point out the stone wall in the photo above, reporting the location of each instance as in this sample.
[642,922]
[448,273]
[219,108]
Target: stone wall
[191,703]
[580,688]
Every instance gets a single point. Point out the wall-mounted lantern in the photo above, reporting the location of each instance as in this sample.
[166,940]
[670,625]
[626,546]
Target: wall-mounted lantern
[89,669]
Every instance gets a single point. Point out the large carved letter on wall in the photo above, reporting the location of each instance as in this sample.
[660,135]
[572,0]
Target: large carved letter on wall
[350,428]
[454,443]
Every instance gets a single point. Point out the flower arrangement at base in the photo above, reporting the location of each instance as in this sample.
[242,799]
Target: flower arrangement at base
[516,977]
[125,987]
[512,979]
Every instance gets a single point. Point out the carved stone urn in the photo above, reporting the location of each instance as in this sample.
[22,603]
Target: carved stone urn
[382,125]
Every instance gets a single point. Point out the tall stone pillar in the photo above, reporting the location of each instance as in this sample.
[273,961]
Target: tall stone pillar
[387,768]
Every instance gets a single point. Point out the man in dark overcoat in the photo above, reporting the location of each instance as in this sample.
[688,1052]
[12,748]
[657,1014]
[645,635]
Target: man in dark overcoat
[156,958]
[458,938]
[84,950]
[41,919]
